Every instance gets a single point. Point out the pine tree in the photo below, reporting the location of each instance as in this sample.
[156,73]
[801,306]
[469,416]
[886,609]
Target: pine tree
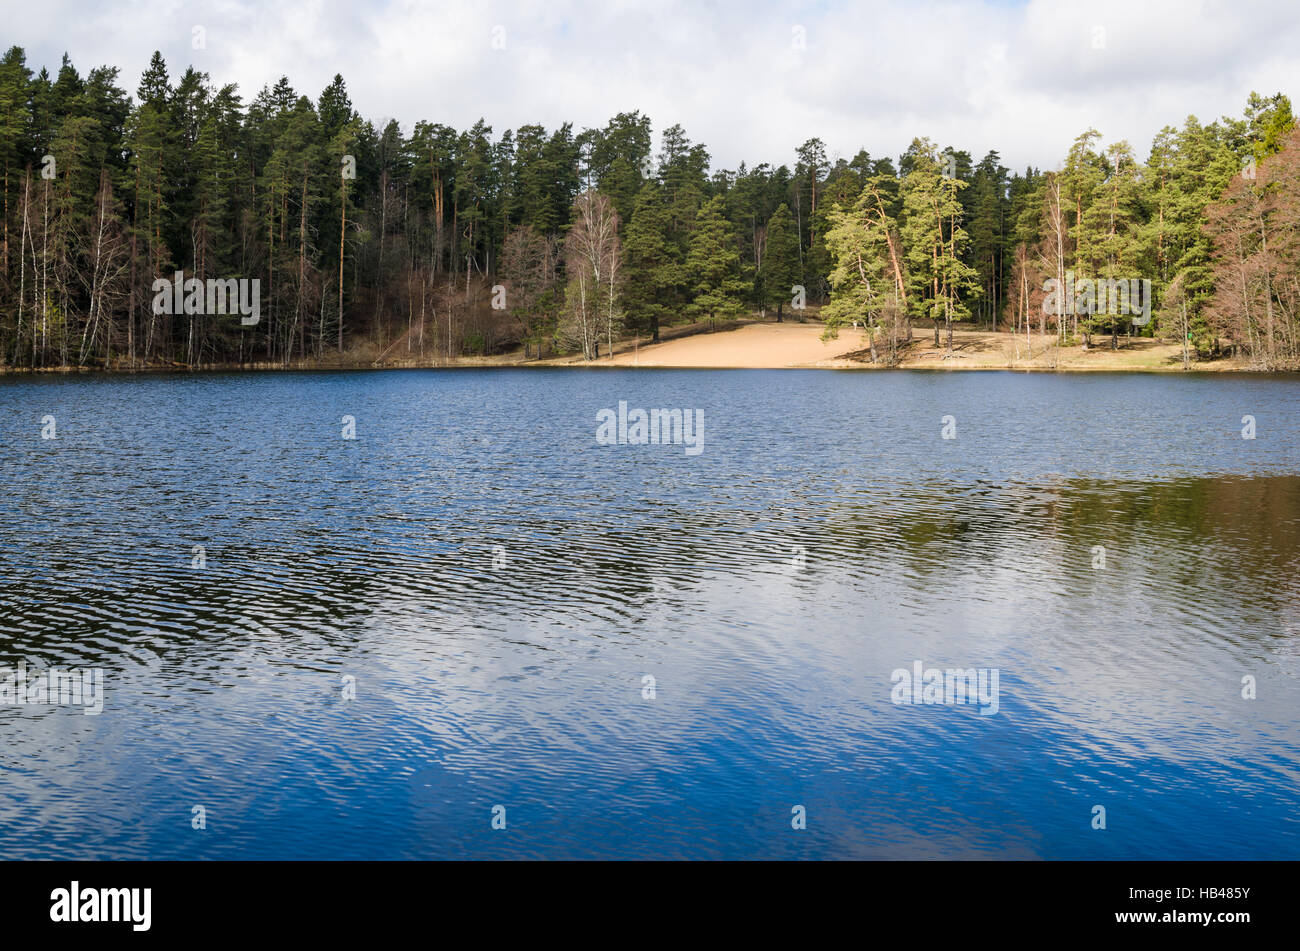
[780,271]
[868,284]
[940,282]
[650,268]
[713,266]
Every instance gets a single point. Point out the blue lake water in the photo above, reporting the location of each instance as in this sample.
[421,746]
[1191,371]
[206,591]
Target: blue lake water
[495,586]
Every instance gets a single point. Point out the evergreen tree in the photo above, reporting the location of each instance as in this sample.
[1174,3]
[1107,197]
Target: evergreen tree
[780,271]
[868,283]
[713,266]
[651,271]
[373,236]
[940,282]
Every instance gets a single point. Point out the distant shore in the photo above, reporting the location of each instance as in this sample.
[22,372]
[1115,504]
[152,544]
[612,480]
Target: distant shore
[767,345]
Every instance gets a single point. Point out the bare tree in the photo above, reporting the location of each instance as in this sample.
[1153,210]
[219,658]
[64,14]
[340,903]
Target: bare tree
[591,256]
[1256,259]
[529,262]
[107,253]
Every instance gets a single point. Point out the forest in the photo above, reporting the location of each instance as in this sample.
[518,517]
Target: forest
[432,244]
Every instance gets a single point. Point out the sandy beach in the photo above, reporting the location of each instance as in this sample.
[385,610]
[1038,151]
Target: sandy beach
[753,346]
[794,345]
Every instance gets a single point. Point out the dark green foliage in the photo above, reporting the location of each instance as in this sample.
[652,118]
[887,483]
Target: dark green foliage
[366,238]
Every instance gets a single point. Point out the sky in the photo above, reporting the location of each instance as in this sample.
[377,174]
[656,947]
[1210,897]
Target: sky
[749,80]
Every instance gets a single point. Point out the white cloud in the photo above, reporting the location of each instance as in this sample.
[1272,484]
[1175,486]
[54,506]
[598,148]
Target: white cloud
[1024,78]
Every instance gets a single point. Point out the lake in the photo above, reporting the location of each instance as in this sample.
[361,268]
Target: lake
[476,630]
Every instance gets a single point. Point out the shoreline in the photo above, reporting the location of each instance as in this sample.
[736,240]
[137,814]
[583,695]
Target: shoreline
[767,345]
